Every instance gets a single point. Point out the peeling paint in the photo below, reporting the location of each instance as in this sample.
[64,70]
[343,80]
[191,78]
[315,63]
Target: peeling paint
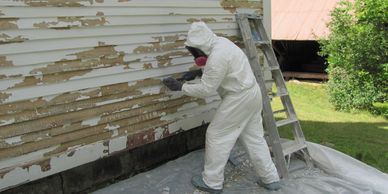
[4,62]
[158,47]
[8,23]
[72,22]
[206,20]
[62,129]
[102,55]
[45,165]
[24,159]
[57,3]
[83,154]
[89,97]
[165,60]
[58,120]
[28,81]
[7,122]
[147,65]
[13,140]
[112,127]
[91,121]
[6,39]
[232,5]
[172,38]
[227,19]
[150,117]
[4,96]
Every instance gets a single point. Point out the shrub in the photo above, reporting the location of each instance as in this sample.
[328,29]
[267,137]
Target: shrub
[357,53]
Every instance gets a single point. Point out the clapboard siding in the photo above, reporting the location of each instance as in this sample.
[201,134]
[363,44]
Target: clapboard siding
[81,79]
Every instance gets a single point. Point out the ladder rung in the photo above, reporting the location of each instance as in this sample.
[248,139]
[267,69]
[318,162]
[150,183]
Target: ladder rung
[279,111]
[262,42]
[286,122]
[290,147]
[271,68]
[277,94]
[274,68]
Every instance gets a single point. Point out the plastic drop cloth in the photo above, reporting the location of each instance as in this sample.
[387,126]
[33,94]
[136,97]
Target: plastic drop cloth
[335,172]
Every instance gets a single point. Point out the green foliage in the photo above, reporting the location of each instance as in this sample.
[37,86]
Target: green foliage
[381,109]
[357,52]
[351,91]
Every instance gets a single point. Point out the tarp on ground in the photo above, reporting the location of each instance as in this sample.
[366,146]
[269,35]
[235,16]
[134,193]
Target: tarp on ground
[334,173]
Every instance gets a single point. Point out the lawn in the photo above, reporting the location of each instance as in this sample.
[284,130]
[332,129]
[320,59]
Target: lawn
[360,135]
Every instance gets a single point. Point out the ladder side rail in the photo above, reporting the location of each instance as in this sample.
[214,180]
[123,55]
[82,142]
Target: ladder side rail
[268,117]
[249,44]
[286,100]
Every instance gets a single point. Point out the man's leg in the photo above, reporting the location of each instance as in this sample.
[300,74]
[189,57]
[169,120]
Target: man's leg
[219,143]
[252,138]
[231,118]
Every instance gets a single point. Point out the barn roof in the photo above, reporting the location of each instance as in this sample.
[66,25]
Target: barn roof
[300,19]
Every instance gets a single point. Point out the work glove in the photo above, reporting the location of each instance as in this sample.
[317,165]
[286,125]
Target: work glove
[172,84]
[191,75]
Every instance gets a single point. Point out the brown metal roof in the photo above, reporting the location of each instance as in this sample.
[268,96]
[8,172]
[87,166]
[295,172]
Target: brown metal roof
[300,19]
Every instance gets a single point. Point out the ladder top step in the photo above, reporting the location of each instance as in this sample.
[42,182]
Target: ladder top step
[286,121]
[290,147]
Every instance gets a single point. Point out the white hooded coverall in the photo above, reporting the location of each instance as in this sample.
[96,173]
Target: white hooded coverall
[228,71]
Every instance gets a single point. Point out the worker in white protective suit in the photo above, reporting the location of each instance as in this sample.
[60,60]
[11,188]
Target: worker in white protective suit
[228,72]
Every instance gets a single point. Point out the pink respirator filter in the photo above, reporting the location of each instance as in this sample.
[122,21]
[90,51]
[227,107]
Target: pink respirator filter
[201,61]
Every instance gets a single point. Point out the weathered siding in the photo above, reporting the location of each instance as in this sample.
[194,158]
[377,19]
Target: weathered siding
[81,79]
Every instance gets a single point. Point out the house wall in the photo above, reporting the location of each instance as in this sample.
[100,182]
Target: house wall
[81,79]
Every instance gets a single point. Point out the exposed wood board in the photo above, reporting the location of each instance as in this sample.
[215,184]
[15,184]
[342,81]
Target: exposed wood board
[132,3]
[71,85]
[32,69]
[14,51]
[117,69]
[39,12]
[66,23]
[44,34]
[85,38]
[202,115]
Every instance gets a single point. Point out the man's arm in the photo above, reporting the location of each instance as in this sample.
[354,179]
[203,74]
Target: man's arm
[191,75]
[214,72]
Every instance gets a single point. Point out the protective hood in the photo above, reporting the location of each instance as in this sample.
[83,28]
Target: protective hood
[200,36]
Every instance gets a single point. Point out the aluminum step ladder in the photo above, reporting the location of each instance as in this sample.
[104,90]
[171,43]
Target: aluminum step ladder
[254,35]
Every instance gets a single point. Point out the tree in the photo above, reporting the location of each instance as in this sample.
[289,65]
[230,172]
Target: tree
[357,53]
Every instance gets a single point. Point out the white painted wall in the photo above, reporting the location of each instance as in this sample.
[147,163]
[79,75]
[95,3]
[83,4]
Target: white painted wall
[77,83]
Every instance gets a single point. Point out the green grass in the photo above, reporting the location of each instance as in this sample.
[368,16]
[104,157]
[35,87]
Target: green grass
[361,135]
